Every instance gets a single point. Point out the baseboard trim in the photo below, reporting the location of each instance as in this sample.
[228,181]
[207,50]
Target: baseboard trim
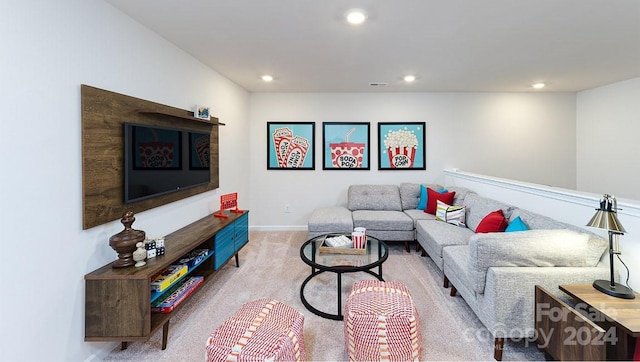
[278,227]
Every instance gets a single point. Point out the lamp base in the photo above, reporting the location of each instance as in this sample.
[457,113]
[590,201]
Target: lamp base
[617,290]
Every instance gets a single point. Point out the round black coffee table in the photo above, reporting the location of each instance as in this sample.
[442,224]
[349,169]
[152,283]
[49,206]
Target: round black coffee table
[320,262]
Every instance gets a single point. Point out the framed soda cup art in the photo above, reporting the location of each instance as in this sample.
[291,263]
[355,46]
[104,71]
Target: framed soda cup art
[290,145]
[401,146]
[345,146]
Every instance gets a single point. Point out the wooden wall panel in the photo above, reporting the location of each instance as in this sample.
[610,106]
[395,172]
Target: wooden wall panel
[103,116]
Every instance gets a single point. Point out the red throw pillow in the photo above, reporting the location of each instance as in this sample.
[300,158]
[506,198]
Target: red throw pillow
[433,197]
[492,223]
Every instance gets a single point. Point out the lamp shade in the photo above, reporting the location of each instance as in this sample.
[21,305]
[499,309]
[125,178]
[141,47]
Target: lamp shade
[607,220]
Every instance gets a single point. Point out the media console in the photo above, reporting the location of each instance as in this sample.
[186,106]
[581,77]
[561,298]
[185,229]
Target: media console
[118,300]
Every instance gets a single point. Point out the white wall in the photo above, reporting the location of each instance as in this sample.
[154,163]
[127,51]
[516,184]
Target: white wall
[523,136]
[49,49]
[608,129]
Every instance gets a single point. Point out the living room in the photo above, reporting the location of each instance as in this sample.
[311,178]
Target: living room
[582,140]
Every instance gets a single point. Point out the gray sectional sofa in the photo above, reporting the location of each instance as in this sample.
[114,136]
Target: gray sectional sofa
[494,272]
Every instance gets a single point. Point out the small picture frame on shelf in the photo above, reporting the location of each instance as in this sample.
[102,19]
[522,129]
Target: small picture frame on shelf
[202,112]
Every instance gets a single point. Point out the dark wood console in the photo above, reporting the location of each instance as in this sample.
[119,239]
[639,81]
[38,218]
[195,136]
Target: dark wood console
[592,326]
[118,301]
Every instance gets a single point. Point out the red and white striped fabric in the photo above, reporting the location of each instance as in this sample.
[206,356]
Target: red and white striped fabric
[381,323]
[261,330]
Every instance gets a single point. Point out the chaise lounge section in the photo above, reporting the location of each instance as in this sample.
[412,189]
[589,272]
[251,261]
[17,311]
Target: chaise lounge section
[388,212]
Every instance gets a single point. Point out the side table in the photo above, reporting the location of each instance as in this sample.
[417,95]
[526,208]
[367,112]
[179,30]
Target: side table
[592,326]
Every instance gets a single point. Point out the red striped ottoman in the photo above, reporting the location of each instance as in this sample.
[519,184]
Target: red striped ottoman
[381,323]
[260,330]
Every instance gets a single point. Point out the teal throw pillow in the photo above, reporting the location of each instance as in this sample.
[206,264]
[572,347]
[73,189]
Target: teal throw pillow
[422,204]
[517,225]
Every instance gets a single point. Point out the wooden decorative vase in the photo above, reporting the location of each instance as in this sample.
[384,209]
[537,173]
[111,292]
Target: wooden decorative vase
[124,242]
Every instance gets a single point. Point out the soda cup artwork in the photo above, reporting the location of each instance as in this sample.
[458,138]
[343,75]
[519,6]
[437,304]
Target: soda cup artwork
[358,239]
[401,146]
[347,154]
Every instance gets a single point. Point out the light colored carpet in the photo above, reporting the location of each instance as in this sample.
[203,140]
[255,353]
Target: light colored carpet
[270,267]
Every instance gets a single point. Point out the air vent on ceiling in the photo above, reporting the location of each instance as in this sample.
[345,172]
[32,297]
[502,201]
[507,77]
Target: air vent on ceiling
[378,84]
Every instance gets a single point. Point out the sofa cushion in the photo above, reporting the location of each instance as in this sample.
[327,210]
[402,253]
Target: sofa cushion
[440,234]
[455,267]
[330,219]
[492,223]
[461,193]
[478,207]
[434,196]
[597,244]
[534,248]
[410,194]
[382,220]
[374,197]
[416,215]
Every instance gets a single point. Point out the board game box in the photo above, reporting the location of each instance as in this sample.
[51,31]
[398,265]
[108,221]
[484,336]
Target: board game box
[194,257]
[168,277]
[176,294]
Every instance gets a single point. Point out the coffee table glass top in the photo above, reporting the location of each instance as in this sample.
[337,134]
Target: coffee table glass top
[376,253]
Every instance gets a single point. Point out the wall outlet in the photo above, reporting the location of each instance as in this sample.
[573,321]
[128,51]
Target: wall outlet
[287,208]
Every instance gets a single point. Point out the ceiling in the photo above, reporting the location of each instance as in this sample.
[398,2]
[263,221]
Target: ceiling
[449,45]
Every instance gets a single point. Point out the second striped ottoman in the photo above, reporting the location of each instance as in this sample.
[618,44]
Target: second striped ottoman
[381,323]
[261,330]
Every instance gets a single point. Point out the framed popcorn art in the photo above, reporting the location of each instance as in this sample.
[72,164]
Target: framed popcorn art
[290,145]
[401,146]
[345,146]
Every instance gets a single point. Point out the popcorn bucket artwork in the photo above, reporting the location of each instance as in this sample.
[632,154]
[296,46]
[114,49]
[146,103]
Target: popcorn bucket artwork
[346,145]
[290,145]
[401,146]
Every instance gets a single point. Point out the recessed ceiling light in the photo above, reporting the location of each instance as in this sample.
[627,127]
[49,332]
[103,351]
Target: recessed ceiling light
[356,16]
[538,85]
[409,78]
[267,78]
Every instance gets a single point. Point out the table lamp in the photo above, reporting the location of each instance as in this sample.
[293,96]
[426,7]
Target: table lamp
[606,218]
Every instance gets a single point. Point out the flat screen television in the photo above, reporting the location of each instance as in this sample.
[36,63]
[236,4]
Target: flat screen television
[162,160]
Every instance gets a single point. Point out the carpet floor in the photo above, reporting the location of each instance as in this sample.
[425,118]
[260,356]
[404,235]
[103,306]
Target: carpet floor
[270,267]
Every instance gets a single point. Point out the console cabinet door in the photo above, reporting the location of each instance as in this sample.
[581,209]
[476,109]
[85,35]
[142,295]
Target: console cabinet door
[224,245]
[241,231]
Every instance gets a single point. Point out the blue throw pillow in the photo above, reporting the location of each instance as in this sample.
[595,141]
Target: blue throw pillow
[422,204]
[517,225]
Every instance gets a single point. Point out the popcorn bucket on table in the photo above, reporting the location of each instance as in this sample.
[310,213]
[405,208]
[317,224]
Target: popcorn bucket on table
[358,239]
[362,230]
